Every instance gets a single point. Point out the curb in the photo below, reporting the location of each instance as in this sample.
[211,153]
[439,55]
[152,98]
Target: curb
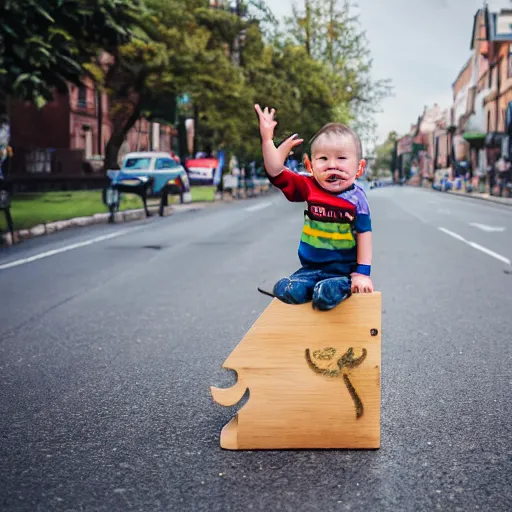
[490,199]
[98,218]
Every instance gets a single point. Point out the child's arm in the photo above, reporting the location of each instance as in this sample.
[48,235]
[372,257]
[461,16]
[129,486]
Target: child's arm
[273,157]
[364,248]
[361,283]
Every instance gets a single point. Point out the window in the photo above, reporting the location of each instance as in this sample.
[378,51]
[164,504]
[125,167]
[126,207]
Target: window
[137,163]
[82,97]
[509,63]
[165,163]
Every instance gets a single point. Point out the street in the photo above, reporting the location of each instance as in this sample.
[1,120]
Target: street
[111,336]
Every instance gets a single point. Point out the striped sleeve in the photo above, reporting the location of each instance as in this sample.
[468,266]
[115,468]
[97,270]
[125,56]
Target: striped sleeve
[294,186]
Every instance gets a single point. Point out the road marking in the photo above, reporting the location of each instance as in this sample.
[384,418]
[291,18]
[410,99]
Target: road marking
[53,252]
[485,227]
[477,246]
[451,233]
[489,252]
[257,207]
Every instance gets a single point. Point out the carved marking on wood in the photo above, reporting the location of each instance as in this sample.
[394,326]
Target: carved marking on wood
[345,362]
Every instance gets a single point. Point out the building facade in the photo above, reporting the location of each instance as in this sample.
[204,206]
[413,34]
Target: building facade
[68,136]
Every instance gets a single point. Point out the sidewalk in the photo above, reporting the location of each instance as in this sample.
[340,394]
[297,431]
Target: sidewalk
[97,218]
[122,216]
[477,195]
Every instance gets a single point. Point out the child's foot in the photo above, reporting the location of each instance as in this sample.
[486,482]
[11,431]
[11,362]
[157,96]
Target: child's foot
[329,293]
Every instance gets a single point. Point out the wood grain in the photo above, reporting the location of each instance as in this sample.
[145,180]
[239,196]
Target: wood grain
[313,378]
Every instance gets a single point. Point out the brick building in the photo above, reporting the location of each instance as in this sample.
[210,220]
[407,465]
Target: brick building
[68,136]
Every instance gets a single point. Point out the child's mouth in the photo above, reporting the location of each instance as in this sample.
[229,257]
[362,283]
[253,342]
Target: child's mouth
[333,178]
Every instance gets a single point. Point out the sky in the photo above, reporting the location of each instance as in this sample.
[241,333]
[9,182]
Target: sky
[421,45]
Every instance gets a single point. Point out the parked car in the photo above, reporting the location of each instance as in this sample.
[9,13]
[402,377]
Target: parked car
[160,167]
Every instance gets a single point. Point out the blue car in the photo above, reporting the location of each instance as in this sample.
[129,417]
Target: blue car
[159,168]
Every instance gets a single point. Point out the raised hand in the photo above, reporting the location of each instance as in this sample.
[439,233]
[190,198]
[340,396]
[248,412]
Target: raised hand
[287,145]
[274,157]
[267,122]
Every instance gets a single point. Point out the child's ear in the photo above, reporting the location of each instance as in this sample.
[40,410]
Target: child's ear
[307,163]
[360,170]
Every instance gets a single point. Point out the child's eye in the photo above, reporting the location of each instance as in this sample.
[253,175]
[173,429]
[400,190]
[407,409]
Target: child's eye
[322,158]
[342,157]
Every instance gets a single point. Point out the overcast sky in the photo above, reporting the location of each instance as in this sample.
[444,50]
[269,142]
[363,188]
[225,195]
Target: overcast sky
[420,44]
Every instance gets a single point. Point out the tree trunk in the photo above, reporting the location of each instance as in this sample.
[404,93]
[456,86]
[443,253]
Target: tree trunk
[117,138]
[112,150]
[3,104]
[308,28]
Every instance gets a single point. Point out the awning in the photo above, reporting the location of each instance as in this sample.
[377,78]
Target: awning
[474,136]
[418,147]
[211,163]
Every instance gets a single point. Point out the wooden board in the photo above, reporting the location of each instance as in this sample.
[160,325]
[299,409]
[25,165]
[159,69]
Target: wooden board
[313,378]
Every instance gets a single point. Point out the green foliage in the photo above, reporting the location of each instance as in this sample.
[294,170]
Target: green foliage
[331,34]
[184,51]
[45,43]
[224,60]
[282,76]
[384,153]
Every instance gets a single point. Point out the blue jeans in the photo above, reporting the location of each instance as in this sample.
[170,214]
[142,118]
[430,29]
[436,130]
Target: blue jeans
[325,285]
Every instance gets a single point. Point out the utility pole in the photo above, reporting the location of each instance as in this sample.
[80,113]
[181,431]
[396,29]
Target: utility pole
[308,28]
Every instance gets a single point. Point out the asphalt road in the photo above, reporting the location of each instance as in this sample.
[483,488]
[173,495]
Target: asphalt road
[110,341]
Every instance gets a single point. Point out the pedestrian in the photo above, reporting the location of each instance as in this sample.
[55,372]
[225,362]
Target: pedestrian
[481,170]
[335,249]
[503,167]
[491,174]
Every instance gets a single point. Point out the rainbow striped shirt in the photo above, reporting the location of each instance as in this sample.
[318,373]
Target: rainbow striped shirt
[330,221]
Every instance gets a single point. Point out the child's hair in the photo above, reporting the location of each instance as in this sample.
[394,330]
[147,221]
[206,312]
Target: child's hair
[338,129]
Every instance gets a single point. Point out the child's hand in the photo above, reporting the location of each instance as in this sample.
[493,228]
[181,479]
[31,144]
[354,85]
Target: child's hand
[273,157]
[361,283]
[267,122]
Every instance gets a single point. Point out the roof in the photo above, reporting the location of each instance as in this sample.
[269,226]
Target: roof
[462,71]
[485,12]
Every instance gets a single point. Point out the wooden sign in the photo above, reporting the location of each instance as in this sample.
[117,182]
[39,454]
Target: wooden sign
[313,378]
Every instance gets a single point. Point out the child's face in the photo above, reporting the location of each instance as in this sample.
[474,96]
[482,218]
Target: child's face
[334,162]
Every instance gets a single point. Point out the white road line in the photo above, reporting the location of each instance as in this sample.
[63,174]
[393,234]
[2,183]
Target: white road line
[257,207]
[53,252]
[489,252]
[485,227]
[451,233]
[477,246]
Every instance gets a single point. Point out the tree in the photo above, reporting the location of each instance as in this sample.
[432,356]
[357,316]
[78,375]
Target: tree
[331,34]
[176,54]
[384,154]
[279,75]
[46,44]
